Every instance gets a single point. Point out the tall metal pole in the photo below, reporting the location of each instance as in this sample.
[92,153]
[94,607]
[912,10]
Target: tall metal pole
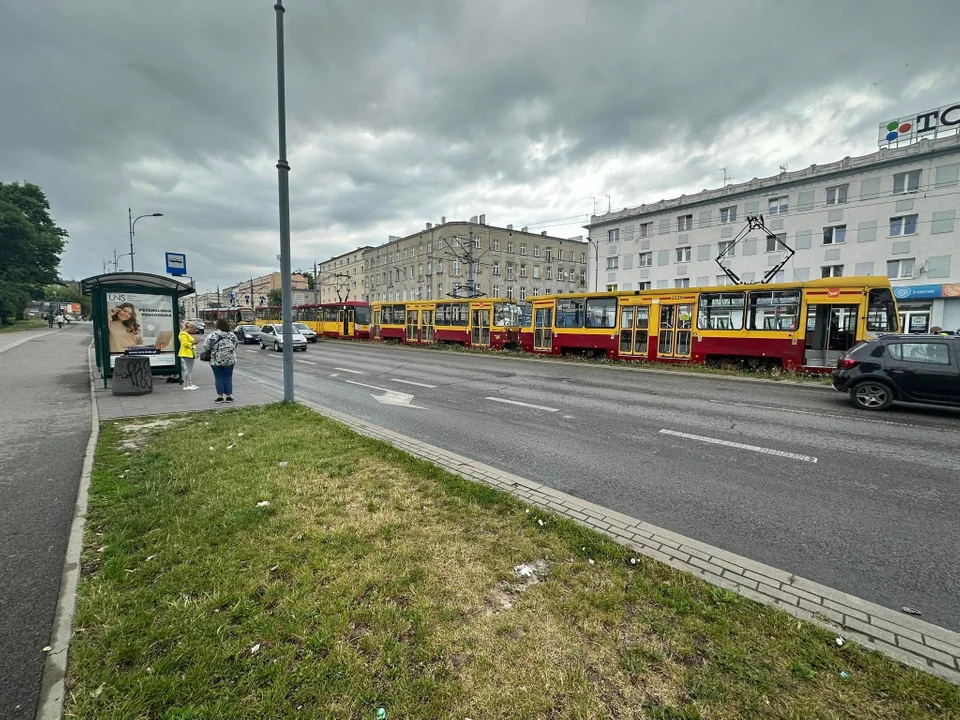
[130,223]
[316,291]
[283,172]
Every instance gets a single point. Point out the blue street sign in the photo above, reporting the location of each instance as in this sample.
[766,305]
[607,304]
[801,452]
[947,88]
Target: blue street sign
[176,263]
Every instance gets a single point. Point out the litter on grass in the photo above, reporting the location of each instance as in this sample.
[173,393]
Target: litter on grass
[263,503]
[839,641]
[283,464]
[255,649]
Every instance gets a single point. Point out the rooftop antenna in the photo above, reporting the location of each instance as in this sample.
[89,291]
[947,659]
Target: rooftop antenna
[783,168]
[608,203]
[726,176]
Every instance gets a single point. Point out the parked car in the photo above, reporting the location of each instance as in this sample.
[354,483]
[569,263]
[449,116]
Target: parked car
[199,323]
[247,333]
[272,336]
[306,331]
[909,368]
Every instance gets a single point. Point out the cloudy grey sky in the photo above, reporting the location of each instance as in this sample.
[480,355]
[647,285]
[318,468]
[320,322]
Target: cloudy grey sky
[401,111]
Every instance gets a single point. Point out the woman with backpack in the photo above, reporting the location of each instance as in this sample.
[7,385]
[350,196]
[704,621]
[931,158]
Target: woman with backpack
[220,350]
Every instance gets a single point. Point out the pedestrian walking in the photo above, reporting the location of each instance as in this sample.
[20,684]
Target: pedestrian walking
[220,350]
[186,354]
[59,320]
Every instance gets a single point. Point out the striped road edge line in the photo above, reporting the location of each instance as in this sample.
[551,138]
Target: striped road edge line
[907,639]
[739,446]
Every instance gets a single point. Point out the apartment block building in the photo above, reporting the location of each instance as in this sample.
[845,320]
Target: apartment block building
[892,212]
[434,263]
[254,292]
[342,277]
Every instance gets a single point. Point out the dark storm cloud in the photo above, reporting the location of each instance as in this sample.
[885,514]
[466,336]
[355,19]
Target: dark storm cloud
[400,112]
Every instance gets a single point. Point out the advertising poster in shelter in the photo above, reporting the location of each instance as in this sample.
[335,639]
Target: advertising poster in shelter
[140,324]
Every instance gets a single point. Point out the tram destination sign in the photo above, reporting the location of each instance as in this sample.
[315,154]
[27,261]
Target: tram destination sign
[926,125]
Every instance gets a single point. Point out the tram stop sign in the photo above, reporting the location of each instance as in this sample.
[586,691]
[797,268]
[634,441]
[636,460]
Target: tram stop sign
[176,263]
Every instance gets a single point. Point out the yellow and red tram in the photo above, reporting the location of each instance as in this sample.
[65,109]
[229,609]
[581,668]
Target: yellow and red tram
[347,320]
[797,326]
[477,322]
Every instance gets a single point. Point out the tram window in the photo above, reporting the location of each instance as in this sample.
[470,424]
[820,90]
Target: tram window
[720,311]
[643,318]
[570,313]
[453,314]
[526,312]
[775,310]
[506,315]
[882,311]
[362,315]
[601,312]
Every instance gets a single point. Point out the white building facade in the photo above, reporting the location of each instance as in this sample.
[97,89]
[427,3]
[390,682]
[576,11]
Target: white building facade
[893,213]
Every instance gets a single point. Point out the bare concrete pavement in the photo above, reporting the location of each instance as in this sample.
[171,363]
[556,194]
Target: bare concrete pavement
[46,424]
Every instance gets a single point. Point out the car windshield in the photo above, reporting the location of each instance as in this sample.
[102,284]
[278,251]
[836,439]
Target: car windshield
[300,326]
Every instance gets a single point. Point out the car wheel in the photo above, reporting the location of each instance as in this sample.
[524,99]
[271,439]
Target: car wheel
[262,346]
[871,395]
[276,346]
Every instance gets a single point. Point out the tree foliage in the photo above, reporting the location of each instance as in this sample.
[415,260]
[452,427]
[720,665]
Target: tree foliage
[30,248]
[308,276]
[275,297]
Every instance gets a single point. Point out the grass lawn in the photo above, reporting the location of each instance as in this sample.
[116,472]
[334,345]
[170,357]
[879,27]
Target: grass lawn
[373,580]
[30,324]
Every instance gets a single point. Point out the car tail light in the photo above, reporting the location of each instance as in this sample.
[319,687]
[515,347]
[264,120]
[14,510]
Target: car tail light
[847,363]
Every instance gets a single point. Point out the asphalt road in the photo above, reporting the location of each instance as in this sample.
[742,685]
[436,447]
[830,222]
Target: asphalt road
[862,502]
[43,437]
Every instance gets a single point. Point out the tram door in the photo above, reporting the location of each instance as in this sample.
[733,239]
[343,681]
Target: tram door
[375,330]
[413,326]
[480,332]
[634,329]
[543,329]
[676,321]
[831,331]
[426,326]
[345,322]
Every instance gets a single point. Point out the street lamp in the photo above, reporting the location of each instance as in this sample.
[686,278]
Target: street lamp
[133,224]
[596,263]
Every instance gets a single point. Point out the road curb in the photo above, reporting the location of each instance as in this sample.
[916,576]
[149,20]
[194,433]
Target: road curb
[913,642]
[623,366]
[53,685]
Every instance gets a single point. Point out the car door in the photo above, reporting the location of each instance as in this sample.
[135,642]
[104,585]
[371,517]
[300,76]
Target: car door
[266,335]
[926,369]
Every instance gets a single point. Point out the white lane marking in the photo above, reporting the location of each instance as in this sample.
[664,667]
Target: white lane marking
[411,382]
[334,374]
[523,404]
[740,446]
[275,356]
[355,372]
[837,416]
[372,387]
[251,350]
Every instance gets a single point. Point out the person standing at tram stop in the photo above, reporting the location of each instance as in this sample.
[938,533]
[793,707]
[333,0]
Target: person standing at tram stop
[222,345]
[185,340]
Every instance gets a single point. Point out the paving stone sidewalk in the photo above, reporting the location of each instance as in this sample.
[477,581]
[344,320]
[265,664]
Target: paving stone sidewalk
[903,637]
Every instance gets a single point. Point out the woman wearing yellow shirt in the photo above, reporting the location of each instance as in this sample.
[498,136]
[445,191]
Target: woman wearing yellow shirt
[186,355]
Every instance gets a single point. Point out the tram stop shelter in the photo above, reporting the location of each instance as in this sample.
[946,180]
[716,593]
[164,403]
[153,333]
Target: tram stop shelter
[136,314]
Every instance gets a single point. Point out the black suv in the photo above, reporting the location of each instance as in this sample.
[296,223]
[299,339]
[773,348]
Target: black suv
[911,368]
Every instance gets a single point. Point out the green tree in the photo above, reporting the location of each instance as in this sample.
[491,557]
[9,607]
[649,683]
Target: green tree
[308,276]
[275,297]
[68,291]
[30,248]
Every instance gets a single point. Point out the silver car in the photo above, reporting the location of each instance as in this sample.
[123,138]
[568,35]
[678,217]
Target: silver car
[272,336]
[306,331]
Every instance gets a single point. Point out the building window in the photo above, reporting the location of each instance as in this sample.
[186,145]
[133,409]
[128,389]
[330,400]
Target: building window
[831,271]
[906,182]
[644,286]
[903,225]
[509,272]
[536,272]
[439,267]
[583,258]
[683,254]
[774,243]
[496,291]
[834,235]
[613,262]
[476,242]
[559,255]
[684,222]
[613,235]
[496,268]
[495,244]
[549,255]
[523,271]
[536,251]
[724,246]
[778,205]
[645,229]
[612,288]
[523,248]
[523,293]
[728,214]
[646,259]
[510,291]
[681,283]
[900,269]
[550,271]
[509,246]
[457,266]
[837,194]
[724,280]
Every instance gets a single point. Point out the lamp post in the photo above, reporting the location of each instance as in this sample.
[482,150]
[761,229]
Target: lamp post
[596,263]
[133,222]
[283,181]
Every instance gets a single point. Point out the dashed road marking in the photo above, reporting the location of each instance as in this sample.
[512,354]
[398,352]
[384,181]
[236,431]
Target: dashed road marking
[411,382]
[372,387]
[740,446]
[523,404]
[355,372]
[307,362]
